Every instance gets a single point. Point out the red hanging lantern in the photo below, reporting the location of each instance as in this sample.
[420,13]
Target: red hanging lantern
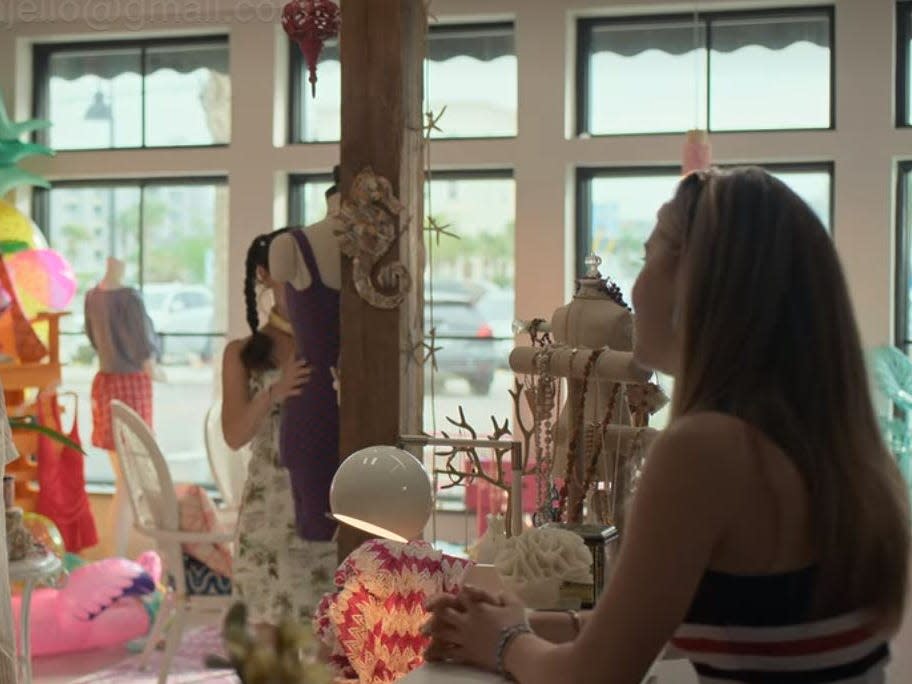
[310,23]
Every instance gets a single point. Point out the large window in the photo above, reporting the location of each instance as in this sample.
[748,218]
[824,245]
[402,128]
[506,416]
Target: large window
[130,94]
[471,70]
[471,279]
[617,210]
[173,237]
[666,74]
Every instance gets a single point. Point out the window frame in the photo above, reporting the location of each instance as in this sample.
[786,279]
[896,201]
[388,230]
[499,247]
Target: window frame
[41,56]
[41,211]
[296,181]
[903,37]
[296,87]
[901,337]
[585,174]
[585,26]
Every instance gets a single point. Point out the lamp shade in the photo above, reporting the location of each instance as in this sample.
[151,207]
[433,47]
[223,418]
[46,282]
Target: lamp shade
[383,491]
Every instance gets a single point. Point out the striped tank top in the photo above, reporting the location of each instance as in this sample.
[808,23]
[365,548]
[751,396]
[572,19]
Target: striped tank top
[753,629]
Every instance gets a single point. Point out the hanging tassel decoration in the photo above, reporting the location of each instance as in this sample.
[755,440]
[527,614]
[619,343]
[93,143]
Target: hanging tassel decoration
[697,154]
[310,23]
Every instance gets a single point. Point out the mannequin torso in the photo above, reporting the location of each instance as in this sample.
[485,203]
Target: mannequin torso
[593,323]
[287,264]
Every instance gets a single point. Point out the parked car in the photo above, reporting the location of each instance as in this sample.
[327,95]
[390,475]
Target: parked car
[183,317]
[497,306]
[468,348]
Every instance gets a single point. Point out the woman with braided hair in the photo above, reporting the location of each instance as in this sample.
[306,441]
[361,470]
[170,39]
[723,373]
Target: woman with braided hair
[277,574]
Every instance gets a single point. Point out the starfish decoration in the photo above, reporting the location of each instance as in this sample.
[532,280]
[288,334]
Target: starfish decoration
[12,150]
[425,350]
[431,121]
[438,230]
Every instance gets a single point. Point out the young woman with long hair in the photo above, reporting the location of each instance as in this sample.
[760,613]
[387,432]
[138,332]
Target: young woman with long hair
[769,536]
[276,574]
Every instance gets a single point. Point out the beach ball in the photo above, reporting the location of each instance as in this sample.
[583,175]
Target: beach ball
[18,231]
[43,278]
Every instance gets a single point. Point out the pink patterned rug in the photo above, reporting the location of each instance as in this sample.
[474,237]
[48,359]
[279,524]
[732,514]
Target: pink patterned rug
[188,667]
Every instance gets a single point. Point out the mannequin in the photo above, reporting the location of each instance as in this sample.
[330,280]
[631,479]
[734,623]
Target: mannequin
[592,320]
[309,262]
[120,330]
[286,262]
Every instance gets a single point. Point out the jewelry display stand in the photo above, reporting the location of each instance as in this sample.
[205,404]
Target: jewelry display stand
[473,468]
[595,441]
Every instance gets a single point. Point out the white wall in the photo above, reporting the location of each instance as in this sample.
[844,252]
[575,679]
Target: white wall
[864,146]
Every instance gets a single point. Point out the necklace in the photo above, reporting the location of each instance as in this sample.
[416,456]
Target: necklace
[596,446]
[572,474]
[544,408]
[280,323]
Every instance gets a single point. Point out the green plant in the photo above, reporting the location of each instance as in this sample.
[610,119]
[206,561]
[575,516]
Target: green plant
[289,656]
[30,424]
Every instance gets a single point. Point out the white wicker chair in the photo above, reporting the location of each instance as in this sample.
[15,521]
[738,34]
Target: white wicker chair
[229,466]
[155,509]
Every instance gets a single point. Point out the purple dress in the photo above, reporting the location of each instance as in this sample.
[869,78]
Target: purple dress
[309,431]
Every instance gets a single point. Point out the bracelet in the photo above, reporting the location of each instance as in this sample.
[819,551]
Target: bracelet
[507,635]
[575,620]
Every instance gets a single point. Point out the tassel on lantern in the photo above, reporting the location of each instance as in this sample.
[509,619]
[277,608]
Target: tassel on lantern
[310,23]
[697,153]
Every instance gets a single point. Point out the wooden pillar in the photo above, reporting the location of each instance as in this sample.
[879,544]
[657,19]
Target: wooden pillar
[382,51]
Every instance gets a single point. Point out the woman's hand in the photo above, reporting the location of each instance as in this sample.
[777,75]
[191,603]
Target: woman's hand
[466,628]
[295,374]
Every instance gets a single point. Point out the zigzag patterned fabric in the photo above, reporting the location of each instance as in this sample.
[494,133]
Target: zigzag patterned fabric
[372,623]
[203,581]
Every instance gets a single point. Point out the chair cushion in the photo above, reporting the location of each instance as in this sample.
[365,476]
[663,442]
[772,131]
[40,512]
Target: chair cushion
[198,514]
[202,581]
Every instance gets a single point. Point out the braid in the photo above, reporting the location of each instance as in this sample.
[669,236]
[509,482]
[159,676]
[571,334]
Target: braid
[257,352]
[253,316]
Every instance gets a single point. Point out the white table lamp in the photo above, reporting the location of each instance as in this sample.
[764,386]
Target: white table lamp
[383,491]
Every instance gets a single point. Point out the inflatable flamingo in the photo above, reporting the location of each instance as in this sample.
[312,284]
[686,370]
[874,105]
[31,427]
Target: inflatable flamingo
[99,605]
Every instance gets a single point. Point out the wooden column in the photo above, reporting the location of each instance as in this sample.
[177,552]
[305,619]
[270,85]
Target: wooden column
[382,52]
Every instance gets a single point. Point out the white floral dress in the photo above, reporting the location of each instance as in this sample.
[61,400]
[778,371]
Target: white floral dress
[277,574]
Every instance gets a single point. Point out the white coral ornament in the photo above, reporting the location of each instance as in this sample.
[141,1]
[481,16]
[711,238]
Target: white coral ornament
[538,562]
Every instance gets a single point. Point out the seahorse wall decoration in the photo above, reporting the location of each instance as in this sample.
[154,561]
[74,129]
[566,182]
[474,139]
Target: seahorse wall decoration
[371,216]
